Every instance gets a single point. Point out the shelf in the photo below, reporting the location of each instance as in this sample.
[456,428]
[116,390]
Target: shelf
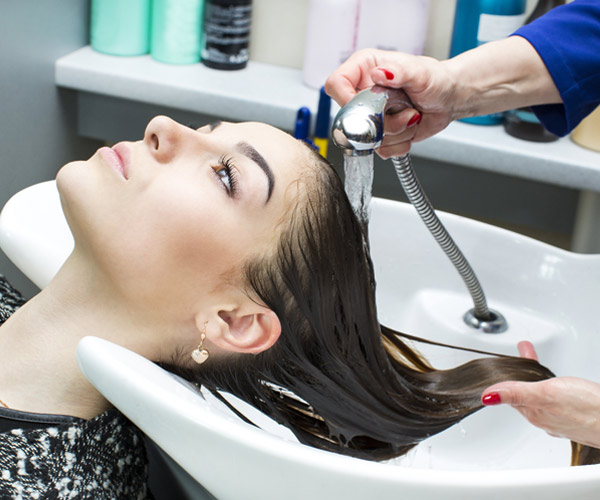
[260,92]
[485,147]
[273,94]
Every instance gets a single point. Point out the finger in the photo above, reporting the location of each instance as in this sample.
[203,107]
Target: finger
[396,140]
[389,150]
[527,394]
[340,87]
[397,123]
[398,70]
[352,75]
[556,435]
[527,350]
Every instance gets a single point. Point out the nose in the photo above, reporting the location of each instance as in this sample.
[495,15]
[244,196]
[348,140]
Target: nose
[163,137]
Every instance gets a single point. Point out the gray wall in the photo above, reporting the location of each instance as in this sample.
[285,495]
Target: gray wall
[37,121]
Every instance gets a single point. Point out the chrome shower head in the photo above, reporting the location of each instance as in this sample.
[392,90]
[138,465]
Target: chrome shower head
[358,126]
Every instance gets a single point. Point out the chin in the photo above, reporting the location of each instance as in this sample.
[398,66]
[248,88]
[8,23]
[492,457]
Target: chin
[80,196]
[69,184]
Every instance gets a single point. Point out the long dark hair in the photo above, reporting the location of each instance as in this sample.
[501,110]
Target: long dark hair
[336,377]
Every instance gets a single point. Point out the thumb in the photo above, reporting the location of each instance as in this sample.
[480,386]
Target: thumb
[513,393]
[340,88]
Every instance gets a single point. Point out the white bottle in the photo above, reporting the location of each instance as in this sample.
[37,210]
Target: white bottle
[330,38]
[399,25]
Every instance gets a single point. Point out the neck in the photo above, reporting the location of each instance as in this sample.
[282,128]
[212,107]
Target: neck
[38,367]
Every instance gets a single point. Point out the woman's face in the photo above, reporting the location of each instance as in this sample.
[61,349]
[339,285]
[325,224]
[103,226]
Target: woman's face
[181,211]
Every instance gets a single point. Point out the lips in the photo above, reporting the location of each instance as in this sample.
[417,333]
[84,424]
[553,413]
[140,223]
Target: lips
[117,157]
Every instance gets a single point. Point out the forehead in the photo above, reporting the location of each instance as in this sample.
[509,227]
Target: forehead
[265,135]
[286,156]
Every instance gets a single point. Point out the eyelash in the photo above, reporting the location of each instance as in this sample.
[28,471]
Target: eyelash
[227,164]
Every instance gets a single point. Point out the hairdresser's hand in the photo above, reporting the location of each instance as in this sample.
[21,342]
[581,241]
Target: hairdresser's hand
[496,76]
[425,80]
[566,407]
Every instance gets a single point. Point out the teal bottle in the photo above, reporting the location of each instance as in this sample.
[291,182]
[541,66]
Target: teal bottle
[176,31]
[479,21]
[120,27]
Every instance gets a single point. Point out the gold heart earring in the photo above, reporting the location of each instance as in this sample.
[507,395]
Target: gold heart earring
[200,355]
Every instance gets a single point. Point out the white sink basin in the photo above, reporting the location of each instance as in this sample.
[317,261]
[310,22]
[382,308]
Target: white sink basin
[34,234]
[547,295]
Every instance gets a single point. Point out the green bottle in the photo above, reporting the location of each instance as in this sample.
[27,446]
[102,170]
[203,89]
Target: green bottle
[176,31]
[120,27]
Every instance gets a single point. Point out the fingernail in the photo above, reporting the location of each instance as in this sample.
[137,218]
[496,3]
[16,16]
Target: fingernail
[388,74]
[493,398]
[416,118]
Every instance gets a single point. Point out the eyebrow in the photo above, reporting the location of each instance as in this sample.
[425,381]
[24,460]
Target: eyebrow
[249,151]
[214,125]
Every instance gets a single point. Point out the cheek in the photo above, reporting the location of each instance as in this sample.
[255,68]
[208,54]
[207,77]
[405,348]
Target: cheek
[179,243]
[80,198]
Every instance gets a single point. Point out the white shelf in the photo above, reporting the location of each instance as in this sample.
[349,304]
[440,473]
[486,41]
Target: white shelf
[260,92]
[562,162]
[273,94]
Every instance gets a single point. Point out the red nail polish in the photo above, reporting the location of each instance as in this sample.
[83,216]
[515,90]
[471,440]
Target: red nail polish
[493,398]
[388,74]
[416,118]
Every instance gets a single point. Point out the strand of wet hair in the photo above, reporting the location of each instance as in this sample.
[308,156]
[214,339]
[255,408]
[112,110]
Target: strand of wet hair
[441,344]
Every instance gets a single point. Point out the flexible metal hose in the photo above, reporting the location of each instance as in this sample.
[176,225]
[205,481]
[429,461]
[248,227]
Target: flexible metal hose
[416,195]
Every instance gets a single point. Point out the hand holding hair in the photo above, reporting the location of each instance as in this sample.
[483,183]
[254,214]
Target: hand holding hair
[566,407]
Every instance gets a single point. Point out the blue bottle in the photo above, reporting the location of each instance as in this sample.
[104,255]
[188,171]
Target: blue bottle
[479,21]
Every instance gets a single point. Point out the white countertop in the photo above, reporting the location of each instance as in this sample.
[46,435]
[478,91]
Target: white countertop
[273,94]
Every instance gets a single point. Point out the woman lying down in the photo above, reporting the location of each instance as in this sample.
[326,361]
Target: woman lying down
[230,255]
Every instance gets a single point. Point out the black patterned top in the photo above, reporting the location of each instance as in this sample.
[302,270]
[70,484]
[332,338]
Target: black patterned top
[10,299]
[61,457]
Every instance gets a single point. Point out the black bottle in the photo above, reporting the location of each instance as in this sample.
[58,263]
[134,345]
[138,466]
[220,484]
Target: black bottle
[226,33]
[522,122]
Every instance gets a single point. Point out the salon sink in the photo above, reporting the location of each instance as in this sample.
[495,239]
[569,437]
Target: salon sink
[34,234]
[547,295]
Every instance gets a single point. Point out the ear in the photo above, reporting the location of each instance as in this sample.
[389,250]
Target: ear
[245,330]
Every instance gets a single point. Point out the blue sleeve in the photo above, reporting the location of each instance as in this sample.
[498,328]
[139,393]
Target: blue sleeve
[568,40]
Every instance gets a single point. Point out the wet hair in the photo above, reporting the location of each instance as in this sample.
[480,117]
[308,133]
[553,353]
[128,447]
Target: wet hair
[336,377]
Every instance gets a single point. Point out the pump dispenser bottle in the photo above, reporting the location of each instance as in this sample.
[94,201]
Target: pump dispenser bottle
[330,38]
[379,20]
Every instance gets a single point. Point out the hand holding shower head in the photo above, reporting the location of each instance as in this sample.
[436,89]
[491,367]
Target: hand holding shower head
[358,126]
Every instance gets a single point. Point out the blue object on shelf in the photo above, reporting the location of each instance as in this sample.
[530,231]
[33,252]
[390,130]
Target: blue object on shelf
[479,21]
[323,124]
[302,127]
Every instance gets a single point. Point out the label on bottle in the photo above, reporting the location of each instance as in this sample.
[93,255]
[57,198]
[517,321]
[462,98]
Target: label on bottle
[226,33]
[495,27]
